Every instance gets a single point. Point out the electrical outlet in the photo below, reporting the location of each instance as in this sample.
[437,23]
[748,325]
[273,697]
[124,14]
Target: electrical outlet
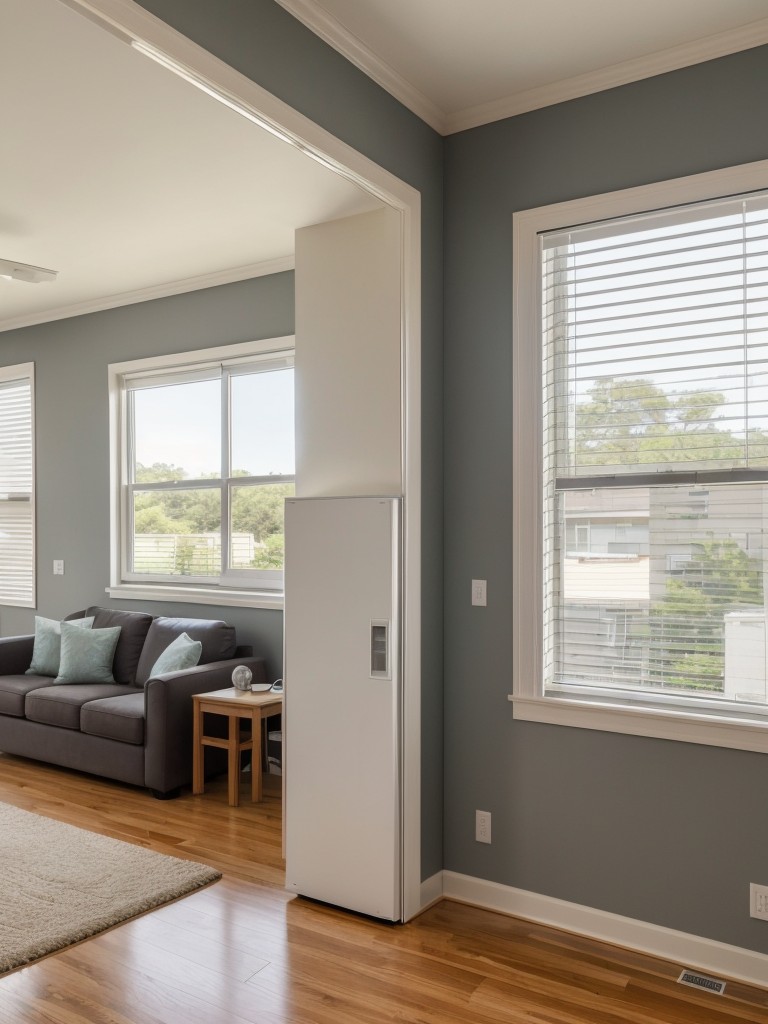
[483,826]
[58,567]
[479,593]
[758,901]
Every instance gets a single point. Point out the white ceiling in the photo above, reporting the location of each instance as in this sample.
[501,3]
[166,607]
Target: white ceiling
[460,63]
[132,183]
[129,181]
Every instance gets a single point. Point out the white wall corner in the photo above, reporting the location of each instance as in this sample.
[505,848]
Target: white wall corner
[688,950]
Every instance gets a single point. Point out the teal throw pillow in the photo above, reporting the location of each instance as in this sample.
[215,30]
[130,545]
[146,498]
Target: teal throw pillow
[87,654]
[46,653]
[183,652]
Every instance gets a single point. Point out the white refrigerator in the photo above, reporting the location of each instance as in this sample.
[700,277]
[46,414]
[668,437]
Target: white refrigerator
[342,702]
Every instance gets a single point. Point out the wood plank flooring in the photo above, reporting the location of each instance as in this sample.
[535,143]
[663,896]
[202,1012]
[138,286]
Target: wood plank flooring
[244,951]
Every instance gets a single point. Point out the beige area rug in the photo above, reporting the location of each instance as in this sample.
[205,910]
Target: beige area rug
[60,884]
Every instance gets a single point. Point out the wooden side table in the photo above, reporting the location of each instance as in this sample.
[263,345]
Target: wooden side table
[235,705]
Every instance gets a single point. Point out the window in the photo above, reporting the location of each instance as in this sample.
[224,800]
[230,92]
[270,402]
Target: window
[206,461]
[17,486]
[647,351]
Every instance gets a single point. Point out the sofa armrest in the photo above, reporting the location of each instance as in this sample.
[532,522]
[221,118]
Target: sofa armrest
[168,714]
[15,654]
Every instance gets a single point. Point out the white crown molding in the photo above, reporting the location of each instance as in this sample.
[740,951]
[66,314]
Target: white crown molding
[688,950]
[676,57]
[159,291]
[331,31]
[348,45]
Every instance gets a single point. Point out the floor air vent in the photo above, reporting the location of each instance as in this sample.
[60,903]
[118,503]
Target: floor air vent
[701,981]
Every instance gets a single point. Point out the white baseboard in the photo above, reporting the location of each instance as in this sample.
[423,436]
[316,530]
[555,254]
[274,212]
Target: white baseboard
[431,890]
[716,958]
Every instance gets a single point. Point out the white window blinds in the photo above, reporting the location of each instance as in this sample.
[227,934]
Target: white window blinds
[656,339]
[655,449]
[17,548]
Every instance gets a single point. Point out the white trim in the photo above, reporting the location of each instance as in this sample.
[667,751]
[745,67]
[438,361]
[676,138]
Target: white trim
[432,890]
[680,947]
[645,721]
[696,52]
[157,291]
[131,22]
[411,589]
[331,31]
[213,355]
[528,702]
[213,596]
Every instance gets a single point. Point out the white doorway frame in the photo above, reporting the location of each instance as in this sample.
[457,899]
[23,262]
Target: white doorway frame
[133,24]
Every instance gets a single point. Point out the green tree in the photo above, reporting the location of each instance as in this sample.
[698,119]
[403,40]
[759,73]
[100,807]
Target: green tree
[158,472]
[634,422]
[272,554]
[258,510]
[153,519]
[687,627]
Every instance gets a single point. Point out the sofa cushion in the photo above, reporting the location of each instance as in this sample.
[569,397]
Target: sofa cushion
[87,654]
[60,705]
[133,631]
[46,653]
[115,718]
[218,640]
[14,690]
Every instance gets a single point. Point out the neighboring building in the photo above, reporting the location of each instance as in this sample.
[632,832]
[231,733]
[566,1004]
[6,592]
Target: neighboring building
[623,547]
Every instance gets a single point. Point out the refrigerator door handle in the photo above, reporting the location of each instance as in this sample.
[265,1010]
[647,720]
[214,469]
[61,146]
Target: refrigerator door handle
[380,666]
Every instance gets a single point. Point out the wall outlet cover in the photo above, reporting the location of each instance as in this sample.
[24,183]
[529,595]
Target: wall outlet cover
[483,826]
[758,901]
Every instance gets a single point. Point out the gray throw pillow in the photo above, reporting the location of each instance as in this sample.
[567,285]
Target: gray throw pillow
[183,652]
[46,653]
[87,654]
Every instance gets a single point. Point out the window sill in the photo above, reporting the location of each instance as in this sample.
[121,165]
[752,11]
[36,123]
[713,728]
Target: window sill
[198,595]
[659,724]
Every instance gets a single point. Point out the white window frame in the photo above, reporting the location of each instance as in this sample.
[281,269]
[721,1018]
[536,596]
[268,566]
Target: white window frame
[244,588]
[656,718]
[8,374]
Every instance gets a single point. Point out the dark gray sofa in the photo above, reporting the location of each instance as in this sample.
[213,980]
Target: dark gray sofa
[137,729]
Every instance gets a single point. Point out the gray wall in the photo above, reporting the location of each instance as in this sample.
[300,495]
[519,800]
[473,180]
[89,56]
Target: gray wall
[72,422]
[664,832]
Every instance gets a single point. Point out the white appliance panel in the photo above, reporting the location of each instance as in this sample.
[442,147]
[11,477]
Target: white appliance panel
[342,703]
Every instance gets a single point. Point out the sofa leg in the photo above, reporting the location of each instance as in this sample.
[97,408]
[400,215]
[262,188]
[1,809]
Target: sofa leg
[169,794]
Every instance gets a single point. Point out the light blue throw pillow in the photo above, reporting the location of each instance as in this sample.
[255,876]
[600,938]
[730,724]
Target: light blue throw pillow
[183,652]
[46,653]
[87,654]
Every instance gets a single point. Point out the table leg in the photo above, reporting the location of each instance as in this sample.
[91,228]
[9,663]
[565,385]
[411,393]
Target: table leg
[256,757]
[198,773]
[233,761]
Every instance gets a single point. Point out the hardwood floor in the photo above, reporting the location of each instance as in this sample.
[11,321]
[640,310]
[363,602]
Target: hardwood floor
[244,950]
